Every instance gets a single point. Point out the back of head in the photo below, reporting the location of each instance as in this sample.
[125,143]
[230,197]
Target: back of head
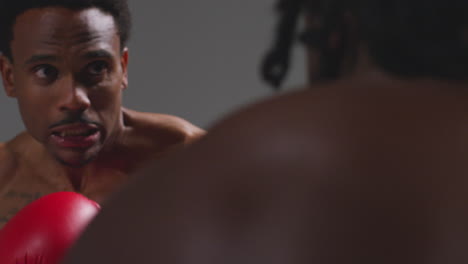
[10,10]
[418,38]
[407,38]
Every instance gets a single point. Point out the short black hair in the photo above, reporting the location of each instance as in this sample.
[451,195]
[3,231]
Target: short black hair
[10,10]
[408,38]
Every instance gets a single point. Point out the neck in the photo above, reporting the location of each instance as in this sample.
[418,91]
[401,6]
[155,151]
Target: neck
[78,177]
[116,138]
[61,175]
[362,68]
[97,179]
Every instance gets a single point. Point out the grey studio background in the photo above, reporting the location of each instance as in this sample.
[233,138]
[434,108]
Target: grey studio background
[194,59]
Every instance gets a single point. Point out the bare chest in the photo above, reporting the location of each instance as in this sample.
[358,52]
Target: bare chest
[18,194]
[27,186]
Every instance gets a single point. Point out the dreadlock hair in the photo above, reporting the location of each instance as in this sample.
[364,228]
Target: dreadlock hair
[10,10]
[276,63]
[407,38]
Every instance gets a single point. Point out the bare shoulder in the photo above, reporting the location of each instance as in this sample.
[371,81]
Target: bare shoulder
[7,156]
[167,127]
[328,123]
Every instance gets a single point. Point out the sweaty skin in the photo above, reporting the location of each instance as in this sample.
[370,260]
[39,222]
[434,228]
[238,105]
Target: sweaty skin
[67,73]
[363,170]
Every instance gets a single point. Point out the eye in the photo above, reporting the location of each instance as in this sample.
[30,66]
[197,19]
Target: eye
[97,68]
[46,72]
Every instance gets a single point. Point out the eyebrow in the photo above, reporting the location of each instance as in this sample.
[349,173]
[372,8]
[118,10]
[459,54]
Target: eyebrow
[40,58]
[47,57]
[98,54]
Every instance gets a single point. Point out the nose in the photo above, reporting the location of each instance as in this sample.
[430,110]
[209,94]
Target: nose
[74,99]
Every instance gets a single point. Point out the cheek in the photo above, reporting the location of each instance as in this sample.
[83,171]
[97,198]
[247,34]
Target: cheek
[28,95]
[26,90]
[106,102]
[32,113]
[105,98]
[35,106]
[32,100]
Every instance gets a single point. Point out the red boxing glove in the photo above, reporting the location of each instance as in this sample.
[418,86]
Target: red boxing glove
[43,231]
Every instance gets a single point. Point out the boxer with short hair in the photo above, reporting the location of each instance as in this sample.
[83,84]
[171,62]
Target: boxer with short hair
[367,165]
[66,64]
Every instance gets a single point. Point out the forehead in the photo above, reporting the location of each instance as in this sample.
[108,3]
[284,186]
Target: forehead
[57,28]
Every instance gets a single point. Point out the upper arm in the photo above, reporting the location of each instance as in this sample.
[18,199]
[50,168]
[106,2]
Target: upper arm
[175,132]
[162,130]
[190,133]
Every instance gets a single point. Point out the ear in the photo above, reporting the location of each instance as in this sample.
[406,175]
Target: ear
[6,68]
[124,66]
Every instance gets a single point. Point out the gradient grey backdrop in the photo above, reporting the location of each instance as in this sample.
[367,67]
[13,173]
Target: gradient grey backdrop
[194,59]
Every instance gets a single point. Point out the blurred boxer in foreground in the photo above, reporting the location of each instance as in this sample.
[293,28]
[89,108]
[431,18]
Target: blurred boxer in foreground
[368,164]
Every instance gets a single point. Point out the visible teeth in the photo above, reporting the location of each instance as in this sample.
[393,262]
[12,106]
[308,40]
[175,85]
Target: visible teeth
[76,132]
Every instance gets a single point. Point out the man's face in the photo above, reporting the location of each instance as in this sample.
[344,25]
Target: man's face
[67,73]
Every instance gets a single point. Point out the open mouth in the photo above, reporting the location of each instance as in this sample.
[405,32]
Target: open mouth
[75,133]
[81,137]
